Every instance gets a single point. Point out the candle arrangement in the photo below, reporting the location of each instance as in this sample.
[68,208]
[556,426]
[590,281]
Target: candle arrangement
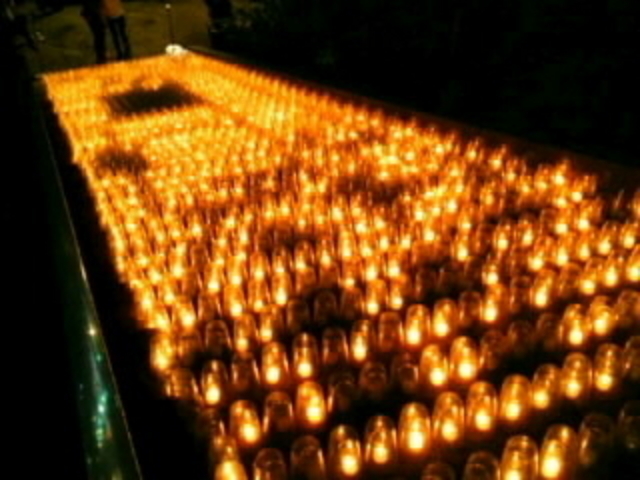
[355,293]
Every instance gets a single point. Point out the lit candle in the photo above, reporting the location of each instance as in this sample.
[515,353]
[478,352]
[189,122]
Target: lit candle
[493,305]
[444,321]
[162,351]
[305,357]
[311,409]
[448,419]
[515,400]
[376,297]
[214,383]
[361,341]
[434,366]
[230,470]
[601,317]
[414,431]
[558,453]
[380,445]
[574,327]
[245,333]
[463,359]
[519,459]
[275,367]
[344,457]
[481,409]
[545,388]
[244,424]
[576,377]
[416,326]
[271,324]
[607,368]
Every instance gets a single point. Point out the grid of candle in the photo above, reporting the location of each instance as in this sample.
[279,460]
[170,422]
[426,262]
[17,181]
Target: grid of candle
[338,291]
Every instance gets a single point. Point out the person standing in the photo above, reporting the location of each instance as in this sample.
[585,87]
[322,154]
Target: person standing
[92,14]
[113,12]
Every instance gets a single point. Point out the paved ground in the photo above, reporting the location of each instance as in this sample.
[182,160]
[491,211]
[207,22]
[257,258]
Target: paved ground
[67,40]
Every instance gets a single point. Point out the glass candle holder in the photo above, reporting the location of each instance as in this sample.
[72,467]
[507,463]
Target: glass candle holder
[307,459]
[311,408]
[272,327]
[558,453]
[269,464]
[414,432]
[217,339]
[434,366]
[464,360]
[376,297]
[444,321]
[214,383]
[351,304]
[520,459]
[162,352]
[335,348]
[278,415]
[481,410]
[494,305]
[380,445]
[575,328]
[245,334]
[245,377]
[470,308]
[515,401]
[448,420]
[343,392]
[374,381]
[344,453]
[325,307]
[628,428]
[546,390]
[596,440]
[607,369]
[481,465]
[275,366]
[306,359]
[390,333]
[438,471]
[244,424]
[576,377]
[416,326]
[230,470]
[361,341]
[602,317]
[492,350]
[631,360]
[297,316]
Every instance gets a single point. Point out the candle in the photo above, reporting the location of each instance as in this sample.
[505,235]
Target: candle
[558,453]
[311,410]
[376,297]
[214,383]
[416,327]
[373,381]
[278,414]
[162,352]
[244,424]
[351,304]
[481,409]
[414,431]
[448,419]
[463,359]
[245,376]
[343,392]
[305,357]
[325,307]
[230,470]
[345,460]
[576,377]
[297,316]
[515,400]
[574,327]
[245,333]
[390,333]
[482,465]
[519,459]
[545,388]
[492,349]
[631,360]
[380,445]
[272,326]
[307,459]
[335,348]
[470,308]
[217,340]
[596,440]
[269,465]
[607,368]
[601,317]
[444,321]
[275,367]
[434,366]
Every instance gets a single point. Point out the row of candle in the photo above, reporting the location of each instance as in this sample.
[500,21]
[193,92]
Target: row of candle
[517,402]
[390,332]
[385,449]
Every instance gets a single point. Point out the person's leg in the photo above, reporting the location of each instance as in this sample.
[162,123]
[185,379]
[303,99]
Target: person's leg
[115,36]
[124,37]
[99,39]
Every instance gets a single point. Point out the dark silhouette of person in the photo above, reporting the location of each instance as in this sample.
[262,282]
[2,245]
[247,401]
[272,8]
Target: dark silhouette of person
[113,12]
[92,13]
